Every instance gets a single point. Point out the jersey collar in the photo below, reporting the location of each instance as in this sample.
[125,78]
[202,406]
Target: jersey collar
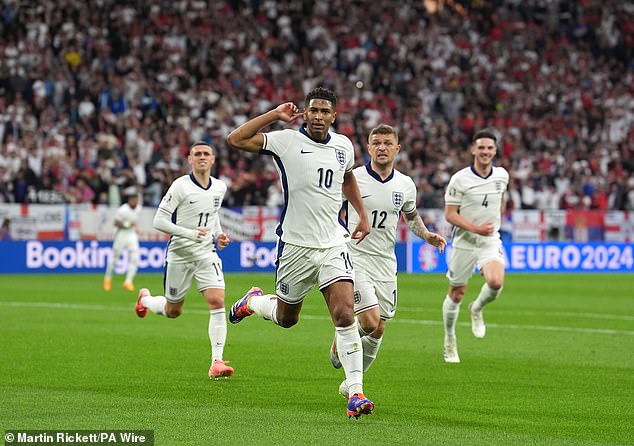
[376,176]
[302,130]
[193,178]
[477,174]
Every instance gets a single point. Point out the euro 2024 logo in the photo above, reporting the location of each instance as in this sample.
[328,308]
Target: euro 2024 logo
[427,257]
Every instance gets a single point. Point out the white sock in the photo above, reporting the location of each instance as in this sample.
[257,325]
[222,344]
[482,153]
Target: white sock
[110,266]
[370,349]
[156,304]
[486,296]
[450,311]
[132,267]
[217,332]
[265,306]
[350,353]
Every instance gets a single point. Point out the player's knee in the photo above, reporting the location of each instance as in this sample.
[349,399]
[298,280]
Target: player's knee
[369,327]
[495,284]
[287,321]
[173,312]
[369,324]
[342,316]
[456,294]
[378,331]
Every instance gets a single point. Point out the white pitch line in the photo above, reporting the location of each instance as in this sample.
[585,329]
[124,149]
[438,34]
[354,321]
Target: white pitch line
[54,306]
[530,327]
[602,316]
[130,309]
[511,326]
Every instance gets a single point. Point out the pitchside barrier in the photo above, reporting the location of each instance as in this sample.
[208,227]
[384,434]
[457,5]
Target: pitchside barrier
[258,223]
[91,256]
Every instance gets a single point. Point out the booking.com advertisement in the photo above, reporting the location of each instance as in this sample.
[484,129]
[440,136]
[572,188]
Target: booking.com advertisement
[417,257]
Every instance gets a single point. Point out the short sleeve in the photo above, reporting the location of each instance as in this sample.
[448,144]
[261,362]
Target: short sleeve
[172,198]
[277,142]
[453,194]
[409,202]
[350,158]
[120,215]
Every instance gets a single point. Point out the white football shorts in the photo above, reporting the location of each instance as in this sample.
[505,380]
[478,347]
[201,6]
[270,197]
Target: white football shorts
[126,241]
[178,277]
[299,268]
[370,293]
[461,262]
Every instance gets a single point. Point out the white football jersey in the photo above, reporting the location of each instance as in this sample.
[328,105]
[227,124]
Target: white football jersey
[311,174]
[480,201]
[384,201]
[128,216]
[192,206]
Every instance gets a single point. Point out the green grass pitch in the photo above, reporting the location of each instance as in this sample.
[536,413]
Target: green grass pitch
[556,366]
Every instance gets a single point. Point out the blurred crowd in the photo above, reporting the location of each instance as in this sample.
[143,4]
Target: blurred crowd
[99,96]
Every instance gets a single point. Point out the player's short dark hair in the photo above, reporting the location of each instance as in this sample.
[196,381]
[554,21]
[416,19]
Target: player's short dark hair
[202,143]
[383,129]
[485,133]
[321,93]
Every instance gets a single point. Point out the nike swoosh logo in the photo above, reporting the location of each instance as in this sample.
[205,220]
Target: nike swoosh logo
[366,196]
[192,202]
[349,353]
[303,151]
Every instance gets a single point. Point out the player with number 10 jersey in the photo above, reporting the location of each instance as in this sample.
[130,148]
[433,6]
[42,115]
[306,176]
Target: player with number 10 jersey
[317,168]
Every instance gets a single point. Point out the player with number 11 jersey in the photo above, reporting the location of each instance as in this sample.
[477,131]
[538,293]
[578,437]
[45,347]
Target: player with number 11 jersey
[190,205]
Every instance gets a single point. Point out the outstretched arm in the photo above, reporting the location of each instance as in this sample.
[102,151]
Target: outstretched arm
[416,225]
[247,138]
[351,191]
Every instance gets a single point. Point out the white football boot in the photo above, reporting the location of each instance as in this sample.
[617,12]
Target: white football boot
[478,327]
[451,350]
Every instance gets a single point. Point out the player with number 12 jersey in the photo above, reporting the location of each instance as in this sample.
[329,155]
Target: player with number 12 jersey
[384,201]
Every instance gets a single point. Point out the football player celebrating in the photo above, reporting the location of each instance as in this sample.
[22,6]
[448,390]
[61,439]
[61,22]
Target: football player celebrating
[315,167]
[386,193]
[189,213]
[473,204]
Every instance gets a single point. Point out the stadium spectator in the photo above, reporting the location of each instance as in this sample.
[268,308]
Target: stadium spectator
[193,201]
[557,84]
[6,230]
[473,204]
[315,166]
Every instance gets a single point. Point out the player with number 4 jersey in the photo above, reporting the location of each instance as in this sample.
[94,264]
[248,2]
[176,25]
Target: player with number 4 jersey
[473,205]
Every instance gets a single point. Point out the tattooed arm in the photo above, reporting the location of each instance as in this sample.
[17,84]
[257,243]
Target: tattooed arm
[416,225]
